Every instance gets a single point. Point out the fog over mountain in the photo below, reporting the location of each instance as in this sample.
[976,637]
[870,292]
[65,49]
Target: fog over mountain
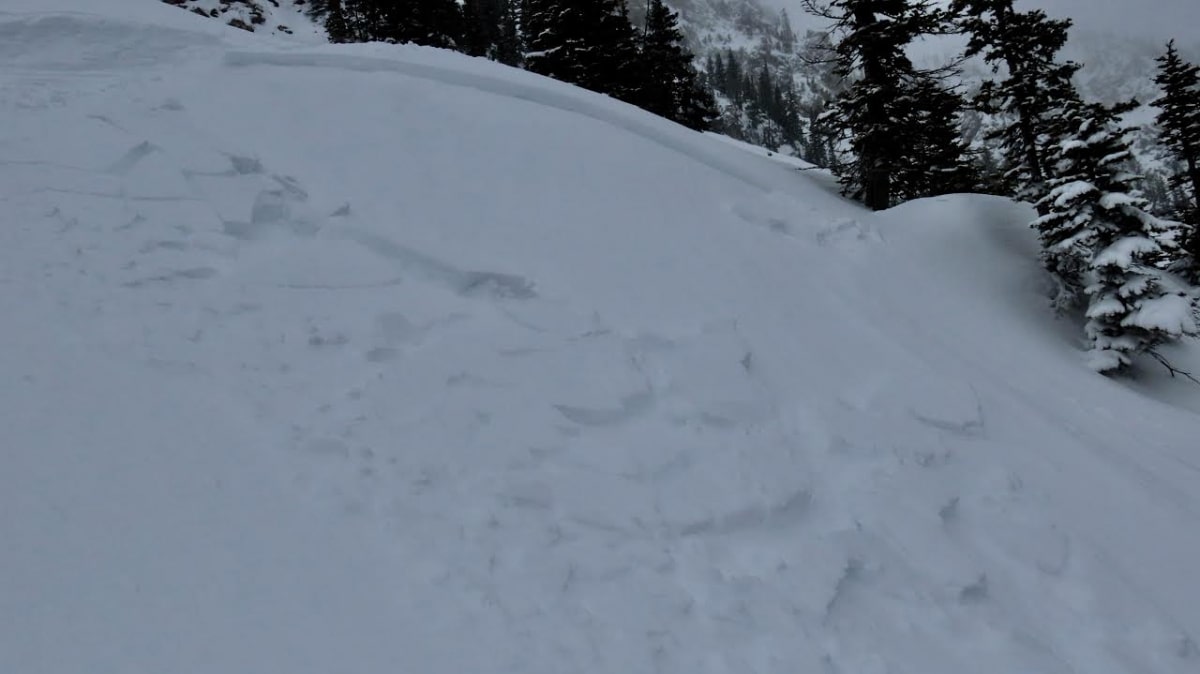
[1115,40]
[1158,19]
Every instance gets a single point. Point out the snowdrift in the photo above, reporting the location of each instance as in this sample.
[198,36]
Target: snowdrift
[365,358]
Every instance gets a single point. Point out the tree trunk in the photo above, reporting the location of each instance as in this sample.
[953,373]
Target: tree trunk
[1194,175]
[876,175]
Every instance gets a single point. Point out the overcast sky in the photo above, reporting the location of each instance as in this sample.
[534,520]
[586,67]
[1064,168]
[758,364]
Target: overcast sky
[1153,18]
[1158,18]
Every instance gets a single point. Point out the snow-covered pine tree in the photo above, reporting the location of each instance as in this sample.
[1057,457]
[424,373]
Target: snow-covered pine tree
[343,19]
[1034,91]
[1179,122]
[509,46]
[585,42]
[1102,245]
[874,109]
[551,42]
[336,25]
[668,84]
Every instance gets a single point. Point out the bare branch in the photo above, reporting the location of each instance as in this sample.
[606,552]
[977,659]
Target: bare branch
[819,9]
[1172,369]
[818,54]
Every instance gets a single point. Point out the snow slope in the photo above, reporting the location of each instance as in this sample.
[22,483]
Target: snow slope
[451,368]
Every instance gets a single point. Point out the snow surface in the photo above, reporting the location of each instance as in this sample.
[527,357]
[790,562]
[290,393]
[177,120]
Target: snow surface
[361,359]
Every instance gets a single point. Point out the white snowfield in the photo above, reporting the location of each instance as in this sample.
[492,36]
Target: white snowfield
[353,360]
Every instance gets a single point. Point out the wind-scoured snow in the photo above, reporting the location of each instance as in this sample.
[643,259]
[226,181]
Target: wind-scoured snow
[367,358]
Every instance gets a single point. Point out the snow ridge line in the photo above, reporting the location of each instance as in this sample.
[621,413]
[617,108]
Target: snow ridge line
[574,102]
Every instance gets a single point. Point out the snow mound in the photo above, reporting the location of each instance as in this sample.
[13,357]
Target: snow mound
[71,42]
[449,351]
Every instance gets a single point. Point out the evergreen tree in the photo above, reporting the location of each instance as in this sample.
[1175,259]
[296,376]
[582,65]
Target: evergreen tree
[1102,244]
[611,66]
[669,86]
[1179,121]
[762,106]
[697,108]
[364,20]
[787,34]
[433,23]
[1034,92]
[481,26]
[734,77]
[873,110]
[585,42]
[822,84]
[338,18]
[436,23]
[937,160]
[509,47]
[335,22]
[551,39]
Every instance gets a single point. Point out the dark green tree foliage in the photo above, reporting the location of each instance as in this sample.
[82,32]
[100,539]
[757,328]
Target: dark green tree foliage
[1100,242]
[1179,121]
[667,84]
[481,26]
[335,21]
[585,42]
[540,21]
[434,23]
[612,64]
[1036,88]
[590,43]
[773,108]
[555,39]
[699,110]
[509,46]
[875,110]
[822,84]
[491,28]
[938,161]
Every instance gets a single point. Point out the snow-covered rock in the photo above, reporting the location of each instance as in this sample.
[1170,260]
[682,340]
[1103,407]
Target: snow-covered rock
[271,17]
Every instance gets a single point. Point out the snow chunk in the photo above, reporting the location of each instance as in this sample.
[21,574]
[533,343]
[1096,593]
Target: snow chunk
[1114,200]
[1066,193]
[1171,314]
[1106,360]
[1109,306]
[1121,253]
